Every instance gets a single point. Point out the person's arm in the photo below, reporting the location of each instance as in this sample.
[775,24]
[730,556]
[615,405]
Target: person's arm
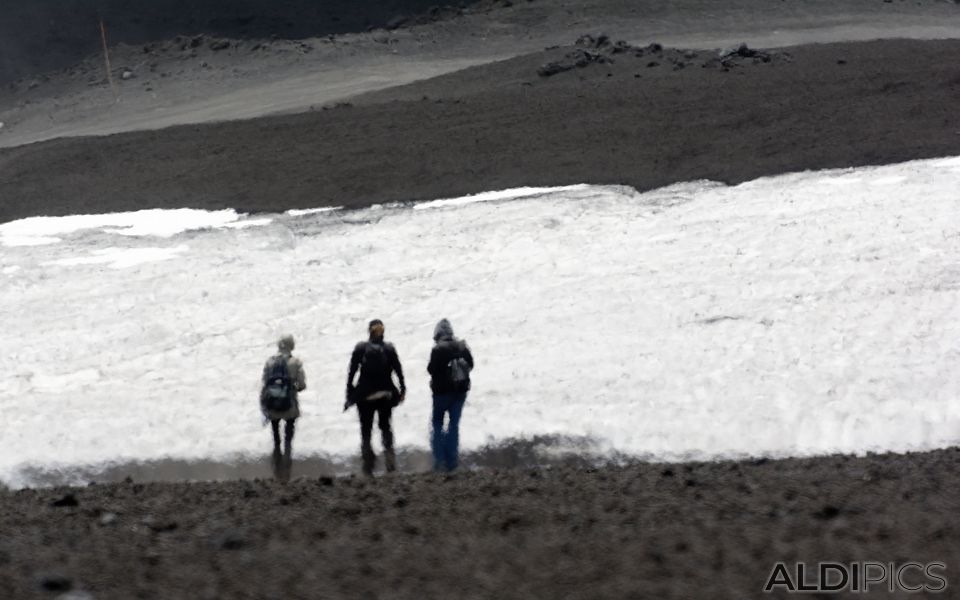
[468,355]
[301,381]
[434,365]
[355,360]
[266,372]
[398,368]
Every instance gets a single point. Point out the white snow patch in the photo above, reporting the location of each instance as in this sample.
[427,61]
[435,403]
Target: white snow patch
[299,212]
[35,231]
[248,223]
[786,316]
[500,195]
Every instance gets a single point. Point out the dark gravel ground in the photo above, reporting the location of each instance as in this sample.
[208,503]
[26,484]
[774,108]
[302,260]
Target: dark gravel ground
[639,120]
[658,531]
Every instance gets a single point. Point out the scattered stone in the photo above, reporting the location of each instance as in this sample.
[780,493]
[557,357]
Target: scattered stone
[510,522]
[67,500]
[572,60]
[127,74]
[157,526]
[326,481]
[601,40]
[230,540]
[196,41]
[217,45]
[732,57]
[108,518]
[827,512]
[55,582]
[164,526]
[742,50]
[381,37]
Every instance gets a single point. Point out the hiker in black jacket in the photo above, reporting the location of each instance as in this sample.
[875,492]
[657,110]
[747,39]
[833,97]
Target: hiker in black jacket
[449,368]
[375,393]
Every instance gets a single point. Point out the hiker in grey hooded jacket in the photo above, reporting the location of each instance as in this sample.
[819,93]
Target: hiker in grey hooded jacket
[450,364]
[298,382]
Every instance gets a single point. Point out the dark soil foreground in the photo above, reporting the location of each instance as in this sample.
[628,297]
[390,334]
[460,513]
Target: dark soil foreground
[711,530]
[642,120]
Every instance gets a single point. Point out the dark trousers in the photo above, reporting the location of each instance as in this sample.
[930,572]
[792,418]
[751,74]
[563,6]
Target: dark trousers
[382,409]
[445,443]
[282,463]
[288,434]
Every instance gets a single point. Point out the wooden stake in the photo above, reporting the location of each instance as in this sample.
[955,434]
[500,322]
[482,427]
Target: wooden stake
[106,60]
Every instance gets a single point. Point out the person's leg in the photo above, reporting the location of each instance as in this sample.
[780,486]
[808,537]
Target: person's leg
[436,431]
[366,413]
[275,425]
[452,437]
[288,432]
[385,410]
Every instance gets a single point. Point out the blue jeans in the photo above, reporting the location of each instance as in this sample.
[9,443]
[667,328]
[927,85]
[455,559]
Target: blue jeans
[444,443]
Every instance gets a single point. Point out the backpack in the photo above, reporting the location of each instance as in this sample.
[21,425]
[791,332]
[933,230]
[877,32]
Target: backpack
[375,363]
[459,371]
[276,394]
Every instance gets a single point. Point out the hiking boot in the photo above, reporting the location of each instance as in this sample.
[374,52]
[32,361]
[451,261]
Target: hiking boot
[369,461]
[390,460]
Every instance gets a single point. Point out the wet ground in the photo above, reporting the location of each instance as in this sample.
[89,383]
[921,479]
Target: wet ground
[536,453]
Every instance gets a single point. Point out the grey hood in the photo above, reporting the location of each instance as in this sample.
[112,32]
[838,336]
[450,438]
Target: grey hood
[443,331]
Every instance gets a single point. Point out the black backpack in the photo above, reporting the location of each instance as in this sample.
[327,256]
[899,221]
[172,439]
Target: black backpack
[375,363]
[458,369]
[276,395]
